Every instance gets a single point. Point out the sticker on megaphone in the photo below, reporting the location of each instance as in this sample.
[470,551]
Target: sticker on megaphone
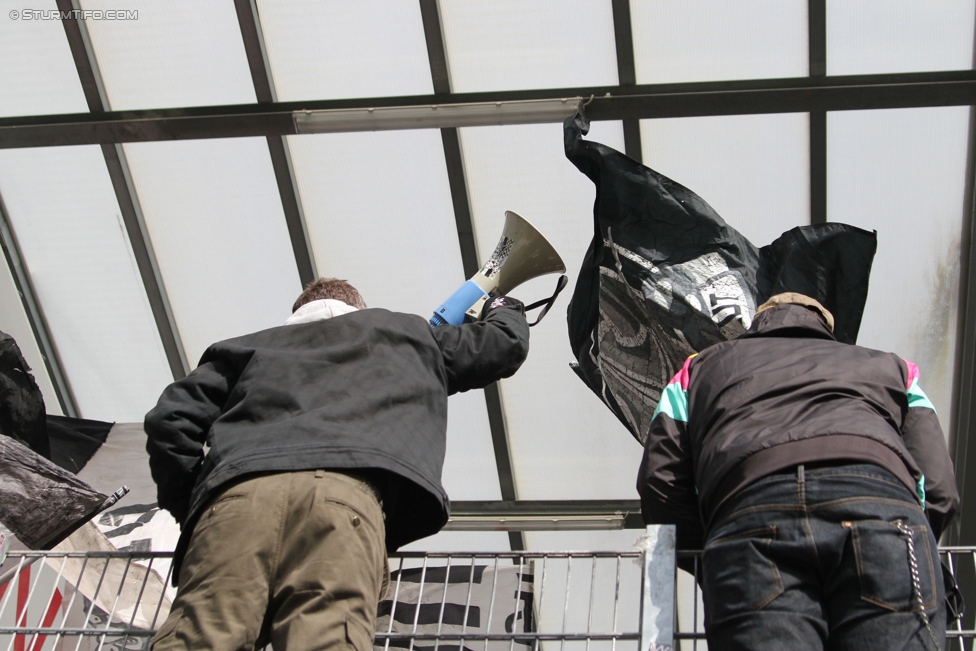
[522,253]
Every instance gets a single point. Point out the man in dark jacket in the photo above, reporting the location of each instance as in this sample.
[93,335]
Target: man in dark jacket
[818,479]
[326,441]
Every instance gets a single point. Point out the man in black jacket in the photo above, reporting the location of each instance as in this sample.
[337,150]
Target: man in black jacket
[326,441]
[817,477]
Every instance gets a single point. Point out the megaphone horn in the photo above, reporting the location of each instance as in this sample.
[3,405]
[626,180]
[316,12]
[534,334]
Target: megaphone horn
[522,254]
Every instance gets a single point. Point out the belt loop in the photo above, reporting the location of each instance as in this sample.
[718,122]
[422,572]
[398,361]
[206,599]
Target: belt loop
[319,474]
[801,485]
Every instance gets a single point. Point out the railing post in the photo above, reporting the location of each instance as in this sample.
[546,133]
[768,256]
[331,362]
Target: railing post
[657,602]
[5,538]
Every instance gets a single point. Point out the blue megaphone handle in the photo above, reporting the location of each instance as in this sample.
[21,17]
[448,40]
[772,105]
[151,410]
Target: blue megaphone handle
[452,310]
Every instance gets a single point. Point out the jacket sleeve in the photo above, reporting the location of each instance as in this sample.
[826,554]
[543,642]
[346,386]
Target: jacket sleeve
[666,479]
[477,354]
[925,441]
[177,429]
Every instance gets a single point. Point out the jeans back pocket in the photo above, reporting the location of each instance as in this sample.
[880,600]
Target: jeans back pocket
[884,565]
[738,574]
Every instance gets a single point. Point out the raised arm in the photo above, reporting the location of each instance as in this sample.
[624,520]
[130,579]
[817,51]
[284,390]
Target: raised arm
[477,354]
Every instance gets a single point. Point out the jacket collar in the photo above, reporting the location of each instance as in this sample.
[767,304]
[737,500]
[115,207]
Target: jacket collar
[778,320]
[319,310]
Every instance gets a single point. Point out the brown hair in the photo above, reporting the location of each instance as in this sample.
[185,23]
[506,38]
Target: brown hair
[333,288]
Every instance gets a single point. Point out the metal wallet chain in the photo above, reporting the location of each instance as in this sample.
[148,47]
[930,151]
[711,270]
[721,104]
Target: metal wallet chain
[916,583]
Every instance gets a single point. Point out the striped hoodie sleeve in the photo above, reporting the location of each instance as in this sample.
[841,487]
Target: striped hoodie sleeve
[925,441]
[666,480]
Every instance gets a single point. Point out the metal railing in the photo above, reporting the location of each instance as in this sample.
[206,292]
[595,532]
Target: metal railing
[490,601]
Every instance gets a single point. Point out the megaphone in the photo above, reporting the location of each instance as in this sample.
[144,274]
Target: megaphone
[522,253]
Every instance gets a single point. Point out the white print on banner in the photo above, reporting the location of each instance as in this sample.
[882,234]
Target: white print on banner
[722,296]
[706,284]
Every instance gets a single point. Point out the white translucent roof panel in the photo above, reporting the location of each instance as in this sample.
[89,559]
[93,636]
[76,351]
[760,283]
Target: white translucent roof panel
[379,213]
[469,472]
[881,36]
[459,541]
[13,321]
[177,53]
[565,443]
[329,50]
[38,75]
[901,172]
[715,40]
[621,540]
[214,216]
[753,170]
[528,44]
[81,266]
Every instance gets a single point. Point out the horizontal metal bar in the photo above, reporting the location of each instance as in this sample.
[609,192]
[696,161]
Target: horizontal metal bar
[433,116]
[516,555]
[802,94]
[545,515]
[63,632]
[127,555]
[506,637]
[545,507]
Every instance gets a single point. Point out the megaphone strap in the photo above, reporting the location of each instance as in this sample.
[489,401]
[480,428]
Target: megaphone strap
[561,282]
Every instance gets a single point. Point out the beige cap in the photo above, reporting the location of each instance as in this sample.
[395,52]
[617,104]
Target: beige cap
[792,298]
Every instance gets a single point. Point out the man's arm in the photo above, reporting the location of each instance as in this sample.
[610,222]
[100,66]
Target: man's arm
[177,428]
[925,441]
[666,480]
[477,354]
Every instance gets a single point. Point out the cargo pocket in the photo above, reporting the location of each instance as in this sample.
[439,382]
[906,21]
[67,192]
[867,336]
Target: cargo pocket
[884,570]
[358,636]
[739,577]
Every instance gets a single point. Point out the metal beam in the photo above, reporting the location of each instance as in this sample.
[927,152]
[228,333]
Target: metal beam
[545,515]
[436,54]
[118,171]
[257,59]
[453,159]
[817,25]
[35,316]
[794,95]
[963,421]
[817,37]
[626,72]
[264,91]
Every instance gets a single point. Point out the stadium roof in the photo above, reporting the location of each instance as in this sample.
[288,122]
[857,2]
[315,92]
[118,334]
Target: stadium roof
[171,174]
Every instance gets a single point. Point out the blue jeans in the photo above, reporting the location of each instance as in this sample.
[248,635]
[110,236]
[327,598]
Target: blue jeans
[820,559]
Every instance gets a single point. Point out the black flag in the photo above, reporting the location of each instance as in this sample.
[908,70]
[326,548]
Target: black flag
[41,500]
[665,277]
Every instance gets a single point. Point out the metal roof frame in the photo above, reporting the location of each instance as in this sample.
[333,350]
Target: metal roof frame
[118,170]
[627,73]
[35,315]
[817,21]
[815,94]
[257,59]
[790,95]
[454,160]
